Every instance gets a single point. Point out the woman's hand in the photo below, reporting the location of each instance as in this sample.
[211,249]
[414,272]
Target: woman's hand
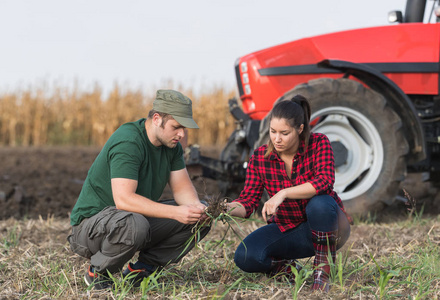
[271,206]
[235,209]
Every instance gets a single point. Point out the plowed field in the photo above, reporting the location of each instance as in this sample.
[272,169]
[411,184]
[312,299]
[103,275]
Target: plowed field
[46,181]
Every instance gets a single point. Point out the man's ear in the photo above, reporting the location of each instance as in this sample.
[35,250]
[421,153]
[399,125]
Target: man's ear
[157,119]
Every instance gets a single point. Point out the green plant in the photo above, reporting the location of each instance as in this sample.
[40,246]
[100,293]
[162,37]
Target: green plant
[150,283]
[216,212]
[121,286]
[300,278]
[385,276]
[12,238]
[231,287]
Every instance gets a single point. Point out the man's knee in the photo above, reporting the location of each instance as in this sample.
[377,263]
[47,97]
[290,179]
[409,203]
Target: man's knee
[141,230]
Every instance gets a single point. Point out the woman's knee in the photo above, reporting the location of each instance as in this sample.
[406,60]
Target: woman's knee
[343,229]
[248,260]
[242,260]
[322,213]
[322,205]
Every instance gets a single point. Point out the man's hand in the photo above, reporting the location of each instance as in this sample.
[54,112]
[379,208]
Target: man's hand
[271,206]
[190,214]
[204,219]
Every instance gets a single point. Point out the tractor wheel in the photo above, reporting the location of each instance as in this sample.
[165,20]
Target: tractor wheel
[367,140]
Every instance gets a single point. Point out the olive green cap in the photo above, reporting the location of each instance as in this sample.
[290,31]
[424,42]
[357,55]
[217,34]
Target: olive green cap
[177,105]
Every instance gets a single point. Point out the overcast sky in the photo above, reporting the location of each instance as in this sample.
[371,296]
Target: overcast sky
[142,44]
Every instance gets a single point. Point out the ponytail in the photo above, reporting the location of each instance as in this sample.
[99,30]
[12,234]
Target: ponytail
[304,103]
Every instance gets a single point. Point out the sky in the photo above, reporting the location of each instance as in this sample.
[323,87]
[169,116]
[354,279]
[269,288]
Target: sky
[145,44]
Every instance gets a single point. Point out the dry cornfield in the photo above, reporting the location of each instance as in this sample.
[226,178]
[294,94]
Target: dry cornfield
[36,117]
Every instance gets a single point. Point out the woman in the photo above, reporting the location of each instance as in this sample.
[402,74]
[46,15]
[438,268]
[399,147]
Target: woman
[305,217]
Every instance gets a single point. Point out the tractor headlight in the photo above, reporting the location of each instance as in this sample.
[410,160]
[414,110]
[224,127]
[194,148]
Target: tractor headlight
[395,16]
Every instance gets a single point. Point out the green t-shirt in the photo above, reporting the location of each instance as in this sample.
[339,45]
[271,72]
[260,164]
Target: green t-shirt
[128,153]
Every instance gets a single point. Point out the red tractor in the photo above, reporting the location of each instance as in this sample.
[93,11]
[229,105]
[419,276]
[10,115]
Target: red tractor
[373,91]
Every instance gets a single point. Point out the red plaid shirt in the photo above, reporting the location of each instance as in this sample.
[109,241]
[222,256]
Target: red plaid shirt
[316,166]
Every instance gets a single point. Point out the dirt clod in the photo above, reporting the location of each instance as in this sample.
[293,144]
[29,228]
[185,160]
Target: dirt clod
[216,206]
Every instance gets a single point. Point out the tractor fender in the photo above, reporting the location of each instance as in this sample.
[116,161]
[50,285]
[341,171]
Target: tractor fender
[396,99]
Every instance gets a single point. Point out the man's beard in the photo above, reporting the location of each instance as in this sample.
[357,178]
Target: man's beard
[168,144]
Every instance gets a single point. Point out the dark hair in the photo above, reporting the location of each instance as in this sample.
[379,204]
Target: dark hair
[165,117]
[296,112]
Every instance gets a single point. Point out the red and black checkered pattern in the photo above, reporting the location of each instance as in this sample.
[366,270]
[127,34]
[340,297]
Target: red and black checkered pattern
[325,247]
[315,165]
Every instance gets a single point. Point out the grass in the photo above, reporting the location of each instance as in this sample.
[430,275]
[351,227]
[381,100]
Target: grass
[398,260]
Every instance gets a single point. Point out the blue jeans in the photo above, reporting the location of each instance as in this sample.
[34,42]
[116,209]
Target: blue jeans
[268,242]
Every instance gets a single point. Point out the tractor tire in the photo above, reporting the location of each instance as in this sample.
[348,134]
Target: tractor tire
[366,136]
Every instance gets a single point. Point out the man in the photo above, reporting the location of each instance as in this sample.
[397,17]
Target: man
[118,211]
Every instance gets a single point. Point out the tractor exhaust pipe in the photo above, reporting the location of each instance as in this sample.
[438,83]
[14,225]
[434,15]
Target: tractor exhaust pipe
[415,11]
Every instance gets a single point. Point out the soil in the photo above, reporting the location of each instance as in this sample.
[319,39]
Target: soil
[46,181]
[42,182]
